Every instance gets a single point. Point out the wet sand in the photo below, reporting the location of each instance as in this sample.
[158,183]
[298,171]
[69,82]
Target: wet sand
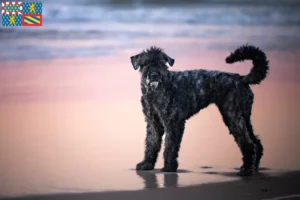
[263,186]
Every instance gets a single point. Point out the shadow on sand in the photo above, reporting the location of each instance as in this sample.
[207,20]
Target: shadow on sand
[260,169]
[171,179]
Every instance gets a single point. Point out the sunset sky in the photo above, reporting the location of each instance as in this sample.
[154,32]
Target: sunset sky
[70,112]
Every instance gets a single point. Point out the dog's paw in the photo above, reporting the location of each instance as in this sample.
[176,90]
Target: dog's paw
[144,166]
[246,172]
[256,168]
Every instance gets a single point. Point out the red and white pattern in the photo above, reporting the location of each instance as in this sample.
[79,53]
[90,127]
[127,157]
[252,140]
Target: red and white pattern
[13,3]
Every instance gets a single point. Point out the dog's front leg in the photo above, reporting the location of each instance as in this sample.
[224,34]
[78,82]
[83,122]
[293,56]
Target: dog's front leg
[153,141]
[174,132]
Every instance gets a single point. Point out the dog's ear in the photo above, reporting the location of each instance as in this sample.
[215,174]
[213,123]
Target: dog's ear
[135,61]
[170,60]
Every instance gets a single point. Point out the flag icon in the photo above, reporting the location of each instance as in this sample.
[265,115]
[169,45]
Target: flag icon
[32,7]
[16,13]
[32,20]
[12,20]
[11,8]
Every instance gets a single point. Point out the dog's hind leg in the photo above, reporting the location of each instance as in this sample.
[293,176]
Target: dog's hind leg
[237,125]
[248,149]
[238,129]
[257,142]
[247,106]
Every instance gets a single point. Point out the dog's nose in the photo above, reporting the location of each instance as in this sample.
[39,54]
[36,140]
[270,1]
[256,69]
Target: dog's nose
[153,75]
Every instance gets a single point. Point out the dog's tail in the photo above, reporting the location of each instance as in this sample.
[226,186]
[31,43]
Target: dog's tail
[260,67]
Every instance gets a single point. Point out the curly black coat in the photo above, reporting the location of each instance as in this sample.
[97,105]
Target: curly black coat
[169,98]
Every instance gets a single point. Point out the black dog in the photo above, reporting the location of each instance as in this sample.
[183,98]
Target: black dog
[169,98]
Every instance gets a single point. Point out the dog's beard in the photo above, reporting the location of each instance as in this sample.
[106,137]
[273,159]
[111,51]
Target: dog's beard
[154,84]
[151,85]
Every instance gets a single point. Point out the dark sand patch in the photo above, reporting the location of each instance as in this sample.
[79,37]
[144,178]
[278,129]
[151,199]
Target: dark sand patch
[206,167]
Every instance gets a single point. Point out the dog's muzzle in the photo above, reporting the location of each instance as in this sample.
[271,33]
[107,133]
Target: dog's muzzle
[153,80]
[154,84]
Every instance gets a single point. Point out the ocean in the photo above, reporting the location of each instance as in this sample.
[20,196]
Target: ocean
[272,26]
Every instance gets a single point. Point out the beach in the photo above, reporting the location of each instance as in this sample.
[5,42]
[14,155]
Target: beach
[264,186]
[71,121]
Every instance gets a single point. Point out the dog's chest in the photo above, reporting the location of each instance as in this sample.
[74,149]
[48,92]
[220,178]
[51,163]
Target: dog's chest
[157,103]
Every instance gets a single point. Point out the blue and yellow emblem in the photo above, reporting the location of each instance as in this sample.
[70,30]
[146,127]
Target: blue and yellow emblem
[32,7]
[22,13]
[32,20]
[12,20]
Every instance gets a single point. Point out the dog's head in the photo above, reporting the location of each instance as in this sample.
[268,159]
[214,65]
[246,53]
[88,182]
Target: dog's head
[152,64]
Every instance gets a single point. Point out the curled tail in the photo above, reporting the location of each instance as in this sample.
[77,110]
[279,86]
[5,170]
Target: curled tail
[260,67]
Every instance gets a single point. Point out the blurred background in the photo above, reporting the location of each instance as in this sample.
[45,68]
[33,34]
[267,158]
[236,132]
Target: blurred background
[117,26]
[70,113]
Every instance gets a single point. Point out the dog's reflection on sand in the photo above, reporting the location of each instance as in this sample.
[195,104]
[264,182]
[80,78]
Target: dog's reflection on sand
[150,179]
